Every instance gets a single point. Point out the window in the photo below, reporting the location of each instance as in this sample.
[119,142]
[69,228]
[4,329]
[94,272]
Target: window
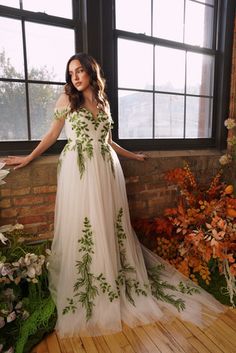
[167,58]
[37,38]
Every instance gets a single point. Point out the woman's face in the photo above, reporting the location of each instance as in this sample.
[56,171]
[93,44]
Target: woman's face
[79,76]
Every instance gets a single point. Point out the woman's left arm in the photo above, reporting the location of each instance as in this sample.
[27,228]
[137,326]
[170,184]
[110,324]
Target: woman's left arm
[125,153]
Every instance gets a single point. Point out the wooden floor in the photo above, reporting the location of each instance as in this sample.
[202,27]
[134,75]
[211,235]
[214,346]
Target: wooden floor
[176,337]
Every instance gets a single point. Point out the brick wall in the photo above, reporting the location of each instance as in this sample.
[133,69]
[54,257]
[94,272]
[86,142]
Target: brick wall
[28,196]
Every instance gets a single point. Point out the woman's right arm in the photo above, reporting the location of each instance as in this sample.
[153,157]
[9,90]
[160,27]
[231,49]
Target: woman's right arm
[48,140]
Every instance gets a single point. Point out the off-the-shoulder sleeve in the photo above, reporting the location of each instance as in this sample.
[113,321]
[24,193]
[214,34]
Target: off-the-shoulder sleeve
[111,121]
[61,113]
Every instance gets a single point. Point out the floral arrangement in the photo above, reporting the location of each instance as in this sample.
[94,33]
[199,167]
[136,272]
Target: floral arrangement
[23,286]
[26,308]
[198,236]
[230,156]
[3,173]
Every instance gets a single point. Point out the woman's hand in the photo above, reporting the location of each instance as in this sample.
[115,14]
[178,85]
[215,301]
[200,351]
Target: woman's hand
[19,161]
[141,156]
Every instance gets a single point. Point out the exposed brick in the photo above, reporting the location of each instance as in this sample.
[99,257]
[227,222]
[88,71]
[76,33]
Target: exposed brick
[50,198]
[5,203]
[4,221]
[36,210]
[20,191]
[9,213]
[50,217]
[5,192]
[28,200]
[44,189]
[27,220]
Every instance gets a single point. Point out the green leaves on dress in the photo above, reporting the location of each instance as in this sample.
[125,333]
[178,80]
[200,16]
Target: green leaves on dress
[158,288]
[127,273]
[86,288]
[83,142]
[61,113]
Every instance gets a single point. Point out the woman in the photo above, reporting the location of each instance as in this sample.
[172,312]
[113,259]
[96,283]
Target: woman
[99,274]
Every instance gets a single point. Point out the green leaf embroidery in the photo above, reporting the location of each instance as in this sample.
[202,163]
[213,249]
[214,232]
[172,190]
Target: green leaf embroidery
[127,273]
[86,287]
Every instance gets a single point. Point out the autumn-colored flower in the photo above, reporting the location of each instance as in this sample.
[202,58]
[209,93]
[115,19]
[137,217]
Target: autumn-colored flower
[229,190]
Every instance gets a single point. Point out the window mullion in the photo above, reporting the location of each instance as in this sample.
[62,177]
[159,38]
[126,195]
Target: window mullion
[26,80]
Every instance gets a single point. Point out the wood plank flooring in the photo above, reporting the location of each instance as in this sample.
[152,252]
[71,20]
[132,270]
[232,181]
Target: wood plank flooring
[174,337]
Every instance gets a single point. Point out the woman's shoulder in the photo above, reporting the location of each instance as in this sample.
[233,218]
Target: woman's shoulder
[62,106]
[62,101]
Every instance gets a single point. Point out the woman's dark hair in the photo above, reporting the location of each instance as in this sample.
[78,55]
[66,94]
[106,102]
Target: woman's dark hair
[97,82]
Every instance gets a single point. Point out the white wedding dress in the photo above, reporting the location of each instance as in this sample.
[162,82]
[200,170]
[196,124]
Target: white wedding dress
[99,274]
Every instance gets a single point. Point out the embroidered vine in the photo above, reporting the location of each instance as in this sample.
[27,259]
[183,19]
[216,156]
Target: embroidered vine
[158,288]
[83,141]
[86,287]
[61,113]
[105,147]
[127,272]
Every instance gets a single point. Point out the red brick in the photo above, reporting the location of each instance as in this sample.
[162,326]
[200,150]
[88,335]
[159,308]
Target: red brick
[4,221]
[28,200]
[9,213]
[44,189]
[32,219]
[5,203]
[50,217]
[21,191]
[5,192]
[50,198]
[36,210]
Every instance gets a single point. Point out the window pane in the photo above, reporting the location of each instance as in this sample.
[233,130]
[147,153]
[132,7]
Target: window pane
[61,8]
[198,117]
[134,16]
[169,69]
[13,119]
[11,49]
[42,101]
[168,19]
[135,114]
[49,49]
[200,70]
[135,64]
[10,3]
[169,116]
[207,2]
[199,24]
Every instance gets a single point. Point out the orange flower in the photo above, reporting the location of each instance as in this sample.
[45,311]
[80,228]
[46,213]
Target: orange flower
[231,212]
[229,190]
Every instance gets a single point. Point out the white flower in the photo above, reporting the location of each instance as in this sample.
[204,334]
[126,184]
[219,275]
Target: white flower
[3,239]
[48,252]
[6,228]
[10,350]
[25,315]
[18,226]
[18,305]
[230,123]
[3,173]
[11,317]
[225,159]
[31,272]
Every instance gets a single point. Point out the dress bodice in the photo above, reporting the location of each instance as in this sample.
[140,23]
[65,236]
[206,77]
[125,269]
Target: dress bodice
[87,135]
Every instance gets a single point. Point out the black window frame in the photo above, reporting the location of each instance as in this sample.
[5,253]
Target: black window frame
[77,23]
[223,38]
[95,33]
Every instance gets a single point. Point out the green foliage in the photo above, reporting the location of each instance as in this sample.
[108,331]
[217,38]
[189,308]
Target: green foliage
[24,295]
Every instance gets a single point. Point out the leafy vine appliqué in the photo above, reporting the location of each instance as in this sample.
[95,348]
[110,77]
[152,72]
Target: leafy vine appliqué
[86,288]
[127,273]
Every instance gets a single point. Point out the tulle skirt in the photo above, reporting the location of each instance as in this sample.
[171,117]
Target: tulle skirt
[100,275]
